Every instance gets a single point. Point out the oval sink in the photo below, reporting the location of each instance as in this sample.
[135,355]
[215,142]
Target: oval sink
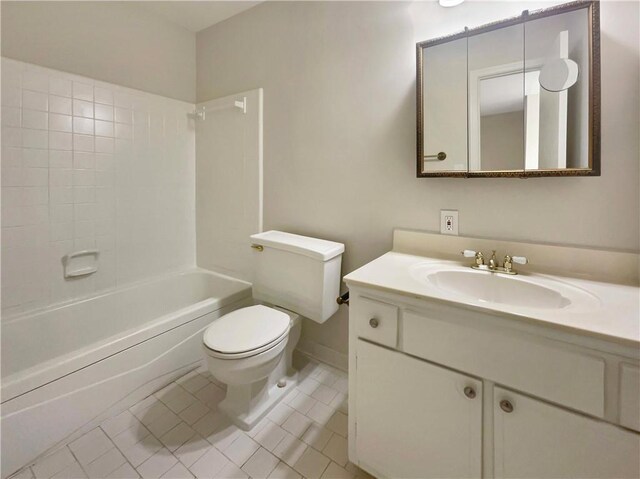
[525,291]
[492,288]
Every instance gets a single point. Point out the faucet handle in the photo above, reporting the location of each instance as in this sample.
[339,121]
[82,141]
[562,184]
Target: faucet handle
[467,253]
[519,259]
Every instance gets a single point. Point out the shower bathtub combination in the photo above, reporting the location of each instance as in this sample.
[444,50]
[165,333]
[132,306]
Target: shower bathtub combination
[68,367]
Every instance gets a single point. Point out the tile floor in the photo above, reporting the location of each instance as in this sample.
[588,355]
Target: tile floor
[178,433]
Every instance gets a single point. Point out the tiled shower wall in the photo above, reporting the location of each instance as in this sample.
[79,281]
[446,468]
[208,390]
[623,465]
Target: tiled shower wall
[90,165]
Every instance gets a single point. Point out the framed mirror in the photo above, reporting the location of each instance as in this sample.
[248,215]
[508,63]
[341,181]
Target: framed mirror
[515,98]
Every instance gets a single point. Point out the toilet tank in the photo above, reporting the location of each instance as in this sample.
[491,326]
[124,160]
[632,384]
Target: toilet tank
[299,273]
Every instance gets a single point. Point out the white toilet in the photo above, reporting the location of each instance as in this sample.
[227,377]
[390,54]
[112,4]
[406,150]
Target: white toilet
[250,349]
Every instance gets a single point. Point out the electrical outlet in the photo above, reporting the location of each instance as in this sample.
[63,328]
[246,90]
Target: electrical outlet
[449,222]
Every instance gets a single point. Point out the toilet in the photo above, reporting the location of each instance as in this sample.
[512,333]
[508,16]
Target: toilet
[251,348]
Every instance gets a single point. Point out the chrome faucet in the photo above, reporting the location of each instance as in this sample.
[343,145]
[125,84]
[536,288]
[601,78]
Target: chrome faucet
[494,266]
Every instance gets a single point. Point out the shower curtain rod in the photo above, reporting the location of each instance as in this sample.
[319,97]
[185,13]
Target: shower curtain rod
[200,113]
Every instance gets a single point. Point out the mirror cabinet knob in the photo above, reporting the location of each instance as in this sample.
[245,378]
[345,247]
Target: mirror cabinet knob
[373,322]
[470,392]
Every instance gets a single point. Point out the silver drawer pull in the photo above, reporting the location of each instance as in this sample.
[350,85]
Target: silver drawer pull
[470,392]
[506,406]
[373,322]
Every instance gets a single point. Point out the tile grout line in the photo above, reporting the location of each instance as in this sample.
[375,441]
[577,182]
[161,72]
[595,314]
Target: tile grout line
[317,375]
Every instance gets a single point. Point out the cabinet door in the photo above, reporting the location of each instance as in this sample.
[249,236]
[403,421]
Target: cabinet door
[538,440]
[413,419]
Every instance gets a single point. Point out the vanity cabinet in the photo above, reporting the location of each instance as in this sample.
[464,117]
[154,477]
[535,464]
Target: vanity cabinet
[440,391]
[416,419]
[534,439]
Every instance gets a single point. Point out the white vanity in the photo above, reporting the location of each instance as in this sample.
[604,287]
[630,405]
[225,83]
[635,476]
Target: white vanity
[462,373]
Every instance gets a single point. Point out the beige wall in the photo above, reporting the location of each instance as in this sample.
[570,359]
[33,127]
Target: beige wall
[339,135]
[108,41]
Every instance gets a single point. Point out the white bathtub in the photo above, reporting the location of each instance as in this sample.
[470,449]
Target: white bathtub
[67,367]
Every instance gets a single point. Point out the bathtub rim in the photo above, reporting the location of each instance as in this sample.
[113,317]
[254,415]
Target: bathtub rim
[21,315]
[27,380]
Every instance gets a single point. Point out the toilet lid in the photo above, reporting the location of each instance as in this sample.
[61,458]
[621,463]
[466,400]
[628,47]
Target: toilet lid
[246,329]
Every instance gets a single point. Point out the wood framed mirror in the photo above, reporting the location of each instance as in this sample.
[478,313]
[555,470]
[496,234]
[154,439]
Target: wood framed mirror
[518,97]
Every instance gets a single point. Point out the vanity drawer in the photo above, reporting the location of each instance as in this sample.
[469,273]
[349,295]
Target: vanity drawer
[553,371]
[375,320]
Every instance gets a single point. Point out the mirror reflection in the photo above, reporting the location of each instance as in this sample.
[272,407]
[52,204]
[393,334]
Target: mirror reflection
[512,99]
[445,105]
[496,100]
[558,51]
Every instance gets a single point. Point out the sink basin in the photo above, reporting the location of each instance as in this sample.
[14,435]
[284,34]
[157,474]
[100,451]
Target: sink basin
[492,288]
[536,292]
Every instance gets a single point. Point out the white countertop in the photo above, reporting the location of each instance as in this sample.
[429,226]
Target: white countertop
[614,314]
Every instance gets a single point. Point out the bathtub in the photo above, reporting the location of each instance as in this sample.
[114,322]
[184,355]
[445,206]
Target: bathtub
[66,368]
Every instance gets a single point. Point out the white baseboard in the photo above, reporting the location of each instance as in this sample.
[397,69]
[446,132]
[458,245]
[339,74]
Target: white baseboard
[323,354]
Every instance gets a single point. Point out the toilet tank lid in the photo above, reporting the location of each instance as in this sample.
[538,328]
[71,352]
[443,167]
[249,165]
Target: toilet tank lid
[312,247]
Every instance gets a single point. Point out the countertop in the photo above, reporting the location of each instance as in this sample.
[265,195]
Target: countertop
[612,315]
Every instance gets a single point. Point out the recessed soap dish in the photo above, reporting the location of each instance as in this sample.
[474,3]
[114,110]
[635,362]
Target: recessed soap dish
[80,263]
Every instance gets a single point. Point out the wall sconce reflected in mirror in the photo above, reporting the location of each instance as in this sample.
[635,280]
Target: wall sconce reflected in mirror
[559,74]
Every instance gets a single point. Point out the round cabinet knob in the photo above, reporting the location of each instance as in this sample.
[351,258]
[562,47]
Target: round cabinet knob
[470,392]
[506,406]
[373,322]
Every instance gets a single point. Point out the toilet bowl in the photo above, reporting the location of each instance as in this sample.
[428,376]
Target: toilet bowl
[251,348]
[251,351]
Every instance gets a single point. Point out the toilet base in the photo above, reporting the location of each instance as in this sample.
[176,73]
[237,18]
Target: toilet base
[247,402]
[246,418]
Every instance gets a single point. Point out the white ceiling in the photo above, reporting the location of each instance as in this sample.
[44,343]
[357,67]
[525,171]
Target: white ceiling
[196,16]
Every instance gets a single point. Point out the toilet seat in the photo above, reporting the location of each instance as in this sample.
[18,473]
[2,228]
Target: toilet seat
[246,332]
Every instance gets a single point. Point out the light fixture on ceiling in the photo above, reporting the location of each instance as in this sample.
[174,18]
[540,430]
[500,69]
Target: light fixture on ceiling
[450,3]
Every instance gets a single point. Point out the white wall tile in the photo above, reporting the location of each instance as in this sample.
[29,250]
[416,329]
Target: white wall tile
[36,177]
[11,136]
[11,95]
[69,182]
[123,115]
[60,177]
[124,131]
[84,177]
[34,119]
[84,194]
[83,160]
[38,195]
[60,140]
[83,126]
[58,104]
[11,176]
[103,95]
[35,138]
[82,108]
[35,100]
[83,91]
[104,112]
[32,157]
[35,80]
[60,194]
[122,98]
[104,145]
[58,122]
[104,128]
[60,87]
[60,158]
[83,142]
[11,156]
[11,116]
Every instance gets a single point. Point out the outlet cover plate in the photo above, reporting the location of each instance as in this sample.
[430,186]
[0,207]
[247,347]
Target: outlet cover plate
[449,222]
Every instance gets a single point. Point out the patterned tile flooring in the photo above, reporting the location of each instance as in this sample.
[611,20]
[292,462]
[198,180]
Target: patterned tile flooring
[177,433]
